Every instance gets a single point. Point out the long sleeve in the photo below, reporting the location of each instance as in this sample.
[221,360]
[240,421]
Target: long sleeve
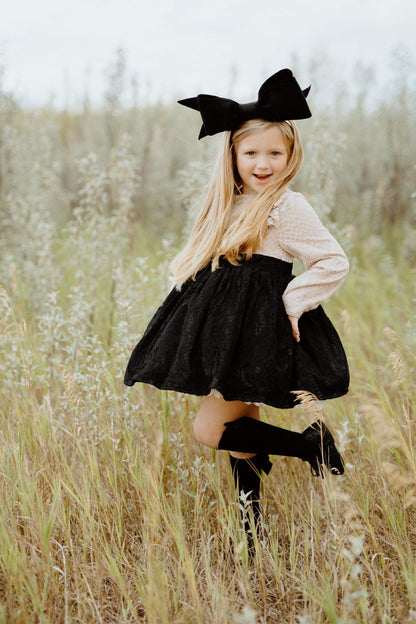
[295,228]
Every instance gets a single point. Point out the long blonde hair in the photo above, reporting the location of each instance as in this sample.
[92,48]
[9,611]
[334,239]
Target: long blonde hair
[212,235]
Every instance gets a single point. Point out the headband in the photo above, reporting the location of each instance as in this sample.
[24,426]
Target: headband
[280,98]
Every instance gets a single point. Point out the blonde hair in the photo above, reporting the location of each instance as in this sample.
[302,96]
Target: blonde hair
[212,236]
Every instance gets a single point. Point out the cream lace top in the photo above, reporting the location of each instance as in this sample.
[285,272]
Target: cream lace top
[295,231]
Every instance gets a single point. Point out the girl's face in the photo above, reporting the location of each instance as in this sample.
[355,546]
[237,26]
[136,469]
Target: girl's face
[261,158]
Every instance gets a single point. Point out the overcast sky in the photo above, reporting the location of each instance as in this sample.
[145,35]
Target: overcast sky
[52,50]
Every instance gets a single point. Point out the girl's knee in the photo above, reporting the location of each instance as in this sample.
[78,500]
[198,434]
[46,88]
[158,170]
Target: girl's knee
[204,434]
[209,424]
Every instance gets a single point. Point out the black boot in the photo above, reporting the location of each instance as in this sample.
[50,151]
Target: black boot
[247,477]
[315,445]
[321,438]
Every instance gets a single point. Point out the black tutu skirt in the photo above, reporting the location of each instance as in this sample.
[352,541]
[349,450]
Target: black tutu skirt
[229,330]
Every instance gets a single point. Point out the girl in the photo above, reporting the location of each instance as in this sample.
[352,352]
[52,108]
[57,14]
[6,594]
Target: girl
[239,329]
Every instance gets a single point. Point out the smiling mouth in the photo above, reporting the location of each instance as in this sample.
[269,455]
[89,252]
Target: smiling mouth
[262,176]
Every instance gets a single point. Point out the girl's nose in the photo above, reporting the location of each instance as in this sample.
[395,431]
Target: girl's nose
[262,162]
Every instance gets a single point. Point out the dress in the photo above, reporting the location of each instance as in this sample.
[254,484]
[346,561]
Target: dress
[228,331]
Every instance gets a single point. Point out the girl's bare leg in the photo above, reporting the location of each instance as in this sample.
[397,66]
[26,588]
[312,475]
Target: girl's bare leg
[214,412]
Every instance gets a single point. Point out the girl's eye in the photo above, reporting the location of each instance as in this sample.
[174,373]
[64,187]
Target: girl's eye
[251,153]
[275,153]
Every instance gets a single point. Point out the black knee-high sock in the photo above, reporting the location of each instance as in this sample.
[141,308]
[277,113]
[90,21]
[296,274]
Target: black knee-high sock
[247,478]
[248,435]
[315,445]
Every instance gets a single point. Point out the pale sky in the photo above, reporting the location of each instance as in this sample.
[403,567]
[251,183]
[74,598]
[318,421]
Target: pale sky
[50,49]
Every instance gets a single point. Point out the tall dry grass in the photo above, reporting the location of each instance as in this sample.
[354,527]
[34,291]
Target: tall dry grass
[111,512]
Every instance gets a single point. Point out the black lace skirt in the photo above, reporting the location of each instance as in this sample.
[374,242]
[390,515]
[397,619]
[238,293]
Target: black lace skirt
[228,330]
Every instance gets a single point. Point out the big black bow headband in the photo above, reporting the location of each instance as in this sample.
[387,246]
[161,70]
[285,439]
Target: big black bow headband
[280,98]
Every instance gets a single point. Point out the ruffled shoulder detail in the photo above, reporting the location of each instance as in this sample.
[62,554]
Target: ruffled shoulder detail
[283,201]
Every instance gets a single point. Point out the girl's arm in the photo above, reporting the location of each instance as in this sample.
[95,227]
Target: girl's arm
[302,236]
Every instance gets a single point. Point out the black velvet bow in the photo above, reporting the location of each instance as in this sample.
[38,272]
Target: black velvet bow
[280,98]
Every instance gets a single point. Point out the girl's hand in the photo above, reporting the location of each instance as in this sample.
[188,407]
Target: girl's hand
[295,327]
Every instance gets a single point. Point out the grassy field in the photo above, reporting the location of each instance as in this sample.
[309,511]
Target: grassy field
[110,511]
